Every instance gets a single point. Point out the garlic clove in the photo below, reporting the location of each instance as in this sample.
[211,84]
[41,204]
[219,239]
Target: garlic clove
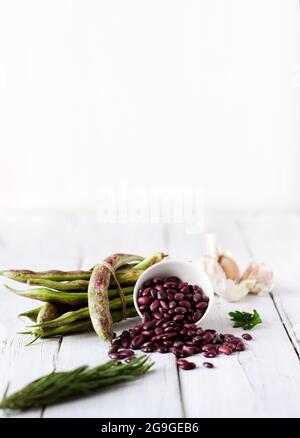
[230,267]
[214,271]
[262,278]
[235,292]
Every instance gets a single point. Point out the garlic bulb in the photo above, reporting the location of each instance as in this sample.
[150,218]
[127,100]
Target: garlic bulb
[225,288]
[261,276]
[214,271]
[230,267]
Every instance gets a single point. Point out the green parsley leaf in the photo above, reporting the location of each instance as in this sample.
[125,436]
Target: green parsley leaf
[245,320]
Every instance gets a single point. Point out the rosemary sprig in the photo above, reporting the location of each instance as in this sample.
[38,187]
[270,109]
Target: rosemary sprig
[59,386]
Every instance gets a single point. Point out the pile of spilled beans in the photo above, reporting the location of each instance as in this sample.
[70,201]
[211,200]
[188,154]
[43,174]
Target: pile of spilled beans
[171,308]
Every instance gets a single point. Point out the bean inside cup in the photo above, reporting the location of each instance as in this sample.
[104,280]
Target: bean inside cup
[172,299]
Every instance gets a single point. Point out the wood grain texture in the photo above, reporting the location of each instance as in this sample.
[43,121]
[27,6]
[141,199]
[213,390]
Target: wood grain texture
[263,381]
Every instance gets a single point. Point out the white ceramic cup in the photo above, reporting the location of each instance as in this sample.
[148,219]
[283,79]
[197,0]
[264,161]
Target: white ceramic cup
[187,272]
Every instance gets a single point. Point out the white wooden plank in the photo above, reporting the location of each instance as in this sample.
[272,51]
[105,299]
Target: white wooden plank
[154,395]
[264,380]
[275,240]
[33,242]
[157,393]
[96,240]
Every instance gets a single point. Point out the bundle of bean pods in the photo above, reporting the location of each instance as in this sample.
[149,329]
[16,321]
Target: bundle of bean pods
[77,301]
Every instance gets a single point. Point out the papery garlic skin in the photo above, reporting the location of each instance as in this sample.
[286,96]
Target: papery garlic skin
[262,278]
[225,288]
[235,291]
[214,271]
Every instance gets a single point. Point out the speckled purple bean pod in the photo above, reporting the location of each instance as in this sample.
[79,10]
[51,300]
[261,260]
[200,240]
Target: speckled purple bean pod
[98,301]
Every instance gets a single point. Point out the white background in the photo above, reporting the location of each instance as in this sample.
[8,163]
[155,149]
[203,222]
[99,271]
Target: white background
[151,93]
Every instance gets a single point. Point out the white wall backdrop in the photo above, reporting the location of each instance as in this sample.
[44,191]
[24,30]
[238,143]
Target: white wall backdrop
[102,93]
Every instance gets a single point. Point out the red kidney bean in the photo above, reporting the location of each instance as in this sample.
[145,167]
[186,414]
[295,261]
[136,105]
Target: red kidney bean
[208,365]
[170,296]
[182,284]
[159,330]
[153,294]
[147,344]
[114,356]
[168,343]
[240,346]
[173,279]
[210,353]
[181,361]
[197,339]
[197,315]
[157,280]
[169,285]
[143,308]
[147,291]
[147,333]
[149,325]
[147,316]
[144,301]
[191,333]
[164,305]
[128,359]
[117,341]
[178,318]
[154,305]
[188,297]
[172,304]
[124,334]
[208,347]
[159,287]
[137,341]
[202,305]
[247,336]
[179,296]
[161,295]
[189,351]
[159,323]
[113,349]
[225,349]
[146,349]
[125,353]
[162,349]
[176,351]
[185,303]
[207,338]
[197,298]
[169,329]
[148,283]
[189,343]
[178,344]
[217,340]
[180,309]
[187,365]
[157,315]
[125,342]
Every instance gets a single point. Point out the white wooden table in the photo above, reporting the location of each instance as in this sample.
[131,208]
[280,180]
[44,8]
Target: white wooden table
[262,381]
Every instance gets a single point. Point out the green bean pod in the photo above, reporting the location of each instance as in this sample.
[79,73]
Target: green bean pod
[48,312]
[65,298]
